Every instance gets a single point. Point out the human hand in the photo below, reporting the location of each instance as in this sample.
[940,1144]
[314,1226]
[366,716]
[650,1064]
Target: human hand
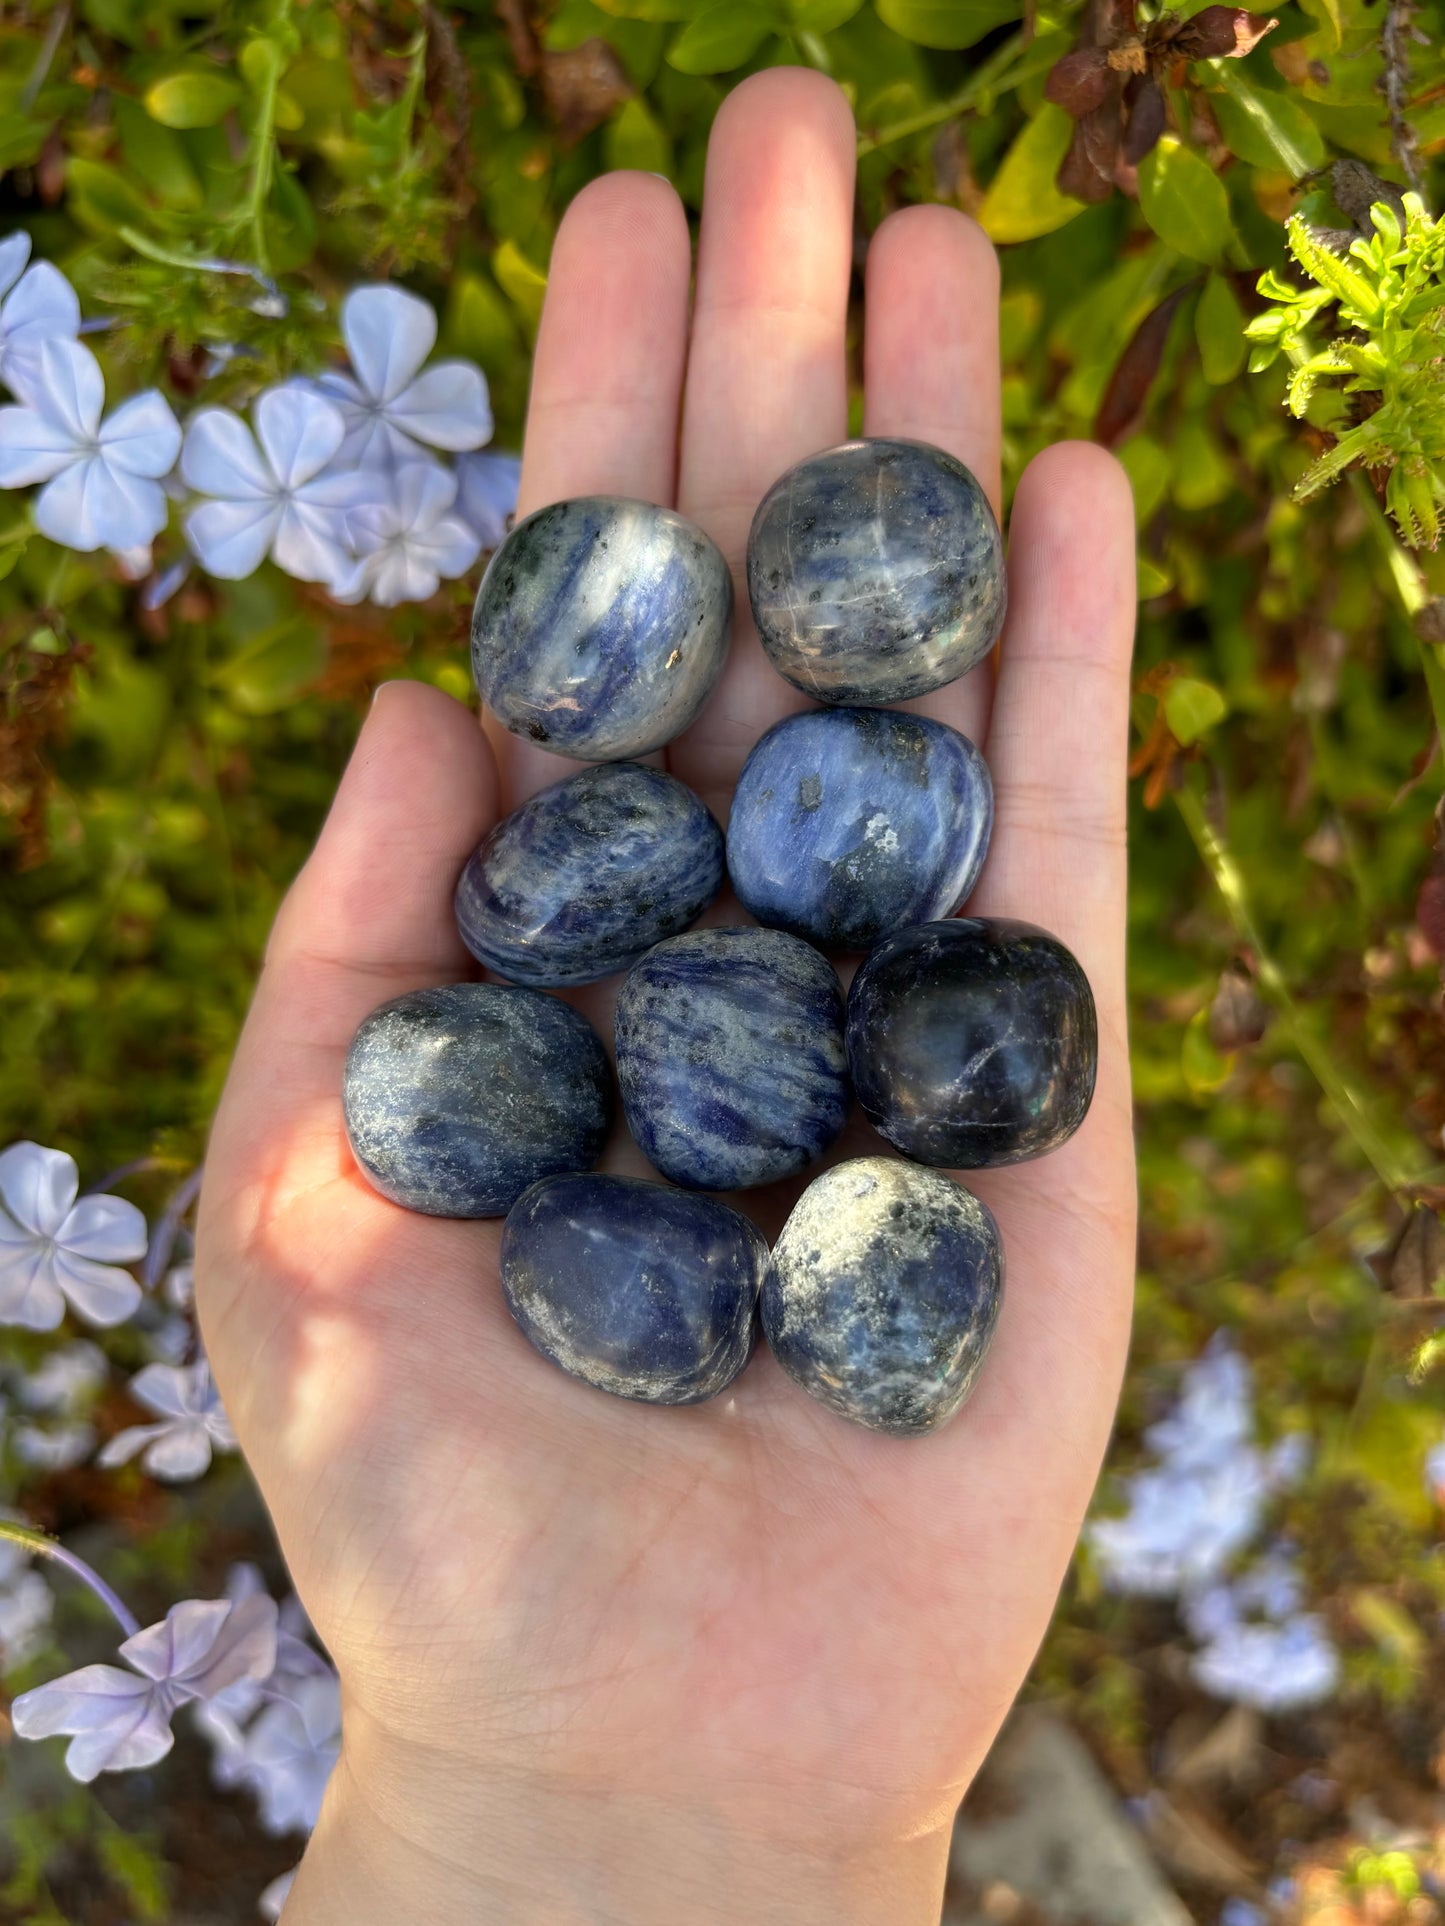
[603,1662]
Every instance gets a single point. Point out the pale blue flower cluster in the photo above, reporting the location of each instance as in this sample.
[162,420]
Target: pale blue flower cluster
[368,481]
[1193,1515]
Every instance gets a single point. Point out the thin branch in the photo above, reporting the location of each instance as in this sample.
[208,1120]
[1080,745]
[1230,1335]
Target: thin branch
[1395,38]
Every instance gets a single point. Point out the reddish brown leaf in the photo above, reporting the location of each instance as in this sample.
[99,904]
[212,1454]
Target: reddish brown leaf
[1080,174]
[1134,372]
[1238,1016]
[1144,102]
[1416,1266]
[583,86]
[1430,905]
[1081,81]
[1221,33]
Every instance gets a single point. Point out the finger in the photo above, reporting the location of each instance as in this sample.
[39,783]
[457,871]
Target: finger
[369,917]
[767,372]
[931,372]
[607,378]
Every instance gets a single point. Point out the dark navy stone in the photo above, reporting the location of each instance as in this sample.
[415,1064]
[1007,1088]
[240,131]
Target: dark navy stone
[589,874]
[883,1292]
[848,824]
[876,572]
[601,626]
[457,1098]
[973,1042]
[643,1291]
[730,1057]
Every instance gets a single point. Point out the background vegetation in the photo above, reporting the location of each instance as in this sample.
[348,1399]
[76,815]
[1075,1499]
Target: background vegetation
[163,769]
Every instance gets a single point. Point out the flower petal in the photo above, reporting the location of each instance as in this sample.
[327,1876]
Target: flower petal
[142,437]
[447,407]
[38,1186]
[220,457]
[183,1637]
[14,253]
[449,547]
[168,1390]
[70,390]
[424,490]
[118,1721]
[32,448]
[230,538]
[29,1295]
[389,334]
[181,1451]
[89,505]
[107,1228]
[120,1449]
[487,494]
[399,575]
[244,1648]
[99,1293]
[299,430]
[41,307]
[310,542]
[274,1898]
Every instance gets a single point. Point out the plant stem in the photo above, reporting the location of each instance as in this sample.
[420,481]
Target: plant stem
[992,76]
[44,1546]
[1409,585]
[263,142]
[1382,1155]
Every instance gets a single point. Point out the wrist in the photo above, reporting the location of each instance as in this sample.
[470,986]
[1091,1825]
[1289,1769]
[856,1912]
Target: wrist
[486,1856]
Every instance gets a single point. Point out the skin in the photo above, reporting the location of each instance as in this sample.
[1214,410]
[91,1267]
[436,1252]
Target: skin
[603,1663]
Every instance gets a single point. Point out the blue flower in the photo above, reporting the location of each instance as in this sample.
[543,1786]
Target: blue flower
[38,305]
[390,406]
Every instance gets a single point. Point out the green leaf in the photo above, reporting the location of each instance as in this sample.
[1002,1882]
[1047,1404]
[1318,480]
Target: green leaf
[635,139]
[1192,708]
[821,16]
[270,670]
[157,156]
[649,9]
[1147,465]
[721,38]
[1023,199]
[191,99]
[948,23]
[1202,474]
[524,284]
[1205,1068]
[101,198]
[1219,330]
[1185,201]
[1265,128]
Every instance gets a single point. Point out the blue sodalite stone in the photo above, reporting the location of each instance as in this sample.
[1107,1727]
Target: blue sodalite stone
[601,626]
[850,823]
[643,1291]
[973,1042]
[876,572]
[457,1098]
[730,1057]
[883,1292]
[589,874]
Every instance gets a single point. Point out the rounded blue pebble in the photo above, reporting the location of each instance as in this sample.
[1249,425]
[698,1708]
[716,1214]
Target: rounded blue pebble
[730,1057]
[876,572]
[973,1042]
[589,874]
[601,626]
[882,1294]
[848,824]
[457,1098]
[640,1290]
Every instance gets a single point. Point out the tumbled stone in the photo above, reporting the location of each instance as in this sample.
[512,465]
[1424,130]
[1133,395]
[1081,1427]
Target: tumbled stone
[457,1098]
[973,1042]
[876,572]
[589,874]
[882,1293]
[730,1057]
[601,626]
[850,823]
[638,1289]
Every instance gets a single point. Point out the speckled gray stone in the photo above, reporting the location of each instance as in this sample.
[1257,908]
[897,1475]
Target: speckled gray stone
[640,1290]
[730,1057]
[876,572]
[457,1098]
[587,875]
[882,1293]
[601,626]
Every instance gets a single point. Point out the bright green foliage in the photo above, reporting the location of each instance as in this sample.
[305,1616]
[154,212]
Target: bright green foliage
[1388,299]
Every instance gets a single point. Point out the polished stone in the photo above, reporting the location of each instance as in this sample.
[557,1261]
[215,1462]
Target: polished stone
[601,626]
[973,1042]
[848,824]
[882,1293]
[457,1098]
[730,1057]
[589,874]
[876,572]
[638,1289]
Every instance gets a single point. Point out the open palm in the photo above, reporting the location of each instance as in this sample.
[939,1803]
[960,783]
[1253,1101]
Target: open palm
[743,1650]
